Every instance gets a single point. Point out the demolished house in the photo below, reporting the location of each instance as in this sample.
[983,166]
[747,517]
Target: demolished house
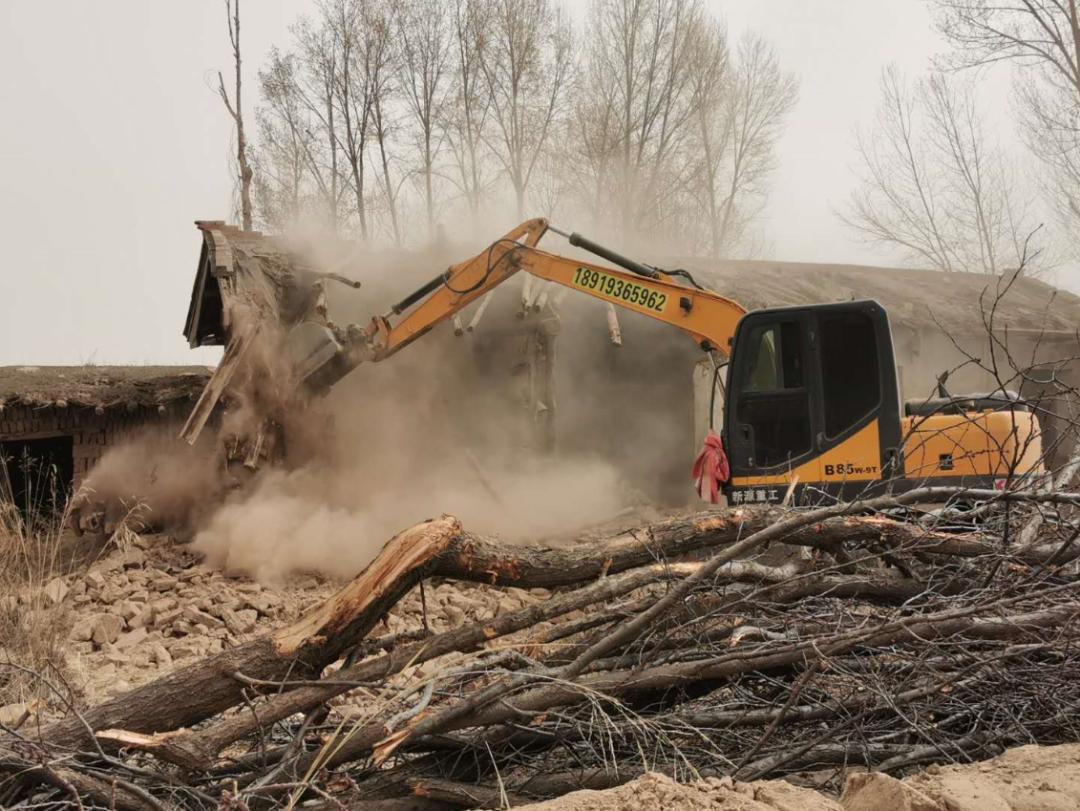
[569,364]
[56,422]
[267,298]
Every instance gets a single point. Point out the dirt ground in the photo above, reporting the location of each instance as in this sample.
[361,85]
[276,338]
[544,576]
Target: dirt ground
[1025,779]
[655,791]
[1029,778]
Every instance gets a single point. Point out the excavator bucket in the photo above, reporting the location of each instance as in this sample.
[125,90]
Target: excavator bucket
[310,347]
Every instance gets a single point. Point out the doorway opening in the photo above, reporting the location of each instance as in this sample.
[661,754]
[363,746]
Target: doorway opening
[36,475]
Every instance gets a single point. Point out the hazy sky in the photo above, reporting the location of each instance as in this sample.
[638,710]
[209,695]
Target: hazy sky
[112,144]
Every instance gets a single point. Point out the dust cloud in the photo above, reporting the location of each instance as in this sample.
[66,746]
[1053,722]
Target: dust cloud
[291,521]
[152,480]
[460,425]
[444,426]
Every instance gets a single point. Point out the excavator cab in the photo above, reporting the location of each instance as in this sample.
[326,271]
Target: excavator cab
[811,400]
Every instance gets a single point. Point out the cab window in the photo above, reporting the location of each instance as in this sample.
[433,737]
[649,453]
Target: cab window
[775,358]
[850,374]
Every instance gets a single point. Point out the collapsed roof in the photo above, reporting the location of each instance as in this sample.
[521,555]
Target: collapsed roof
[243,265]
[100,386]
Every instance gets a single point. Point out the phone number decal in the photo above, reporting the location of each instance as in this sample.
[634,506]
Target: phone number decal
[620,289]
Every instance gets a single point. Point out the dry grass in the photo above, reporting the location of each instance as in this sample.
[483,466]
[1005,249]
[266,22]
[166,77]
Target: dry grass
[33,627]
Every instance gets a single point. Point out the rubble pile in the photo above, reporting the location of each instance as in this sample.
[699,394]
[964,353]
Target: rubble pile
[139,612]
[142,610]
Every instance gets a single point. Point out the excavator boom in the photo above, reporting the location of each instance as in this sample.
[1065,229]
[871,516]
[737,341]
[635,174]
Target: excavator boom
[709,318]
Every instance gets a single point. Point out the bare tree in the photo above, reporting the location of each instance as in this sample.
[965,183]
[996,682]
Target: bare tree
[381,67]
[591,140]
[236,111]
[382,101]
[465,118]
[1042,33]
[674,134]
[639,80]
[343,23]
[931,183]
[716,128]
[314,86]
[742,105]
[526,62]
[549,188]
[1051,129]
[424,40]
[286,145]
[331,102]
[1042,39]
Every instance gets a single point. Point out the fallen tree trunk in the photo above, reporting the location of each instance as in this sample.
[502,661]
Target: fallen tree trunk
[451,717]
[655,652]
[525,566]
[301,650]
[867,703]
[615,683]
[375,736]
[107,793]
[198,748]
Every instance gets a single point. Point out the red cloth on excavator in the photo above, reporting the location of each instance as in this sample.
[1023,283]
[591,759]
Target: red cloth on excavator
[711,468]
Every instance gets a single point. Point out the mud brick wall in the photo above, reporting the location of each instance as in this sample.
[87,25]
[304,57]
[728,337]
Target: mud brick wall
[92,433]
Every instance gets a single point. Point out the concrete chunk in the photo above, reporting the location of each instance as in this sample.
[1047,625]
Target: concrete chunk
[198,617]
[126,642]
[55,590]
[106,629]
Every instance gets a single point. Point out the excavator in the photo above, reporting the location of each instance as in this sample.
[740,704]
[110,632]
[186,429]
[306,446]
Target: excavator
[811,407]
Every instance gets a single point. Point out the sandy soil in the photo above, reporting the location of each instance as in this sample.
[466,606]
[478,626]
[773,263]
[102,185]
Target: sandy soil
[1029,778]
[653,792]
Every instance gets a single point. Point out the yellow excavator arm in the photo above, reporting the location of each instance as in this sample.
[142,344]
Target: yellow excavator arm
[707,317]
